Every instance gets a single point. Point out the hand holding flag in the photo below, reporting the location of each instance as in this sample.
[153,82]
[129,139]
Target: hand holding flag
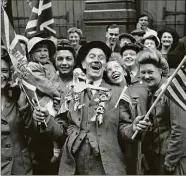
[175,89]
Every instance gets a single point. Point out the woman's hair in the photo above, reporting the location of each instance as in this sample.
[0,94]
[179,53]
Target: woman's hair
[11,92]
[174,34]
[153,56]
[117,57]
[75,29]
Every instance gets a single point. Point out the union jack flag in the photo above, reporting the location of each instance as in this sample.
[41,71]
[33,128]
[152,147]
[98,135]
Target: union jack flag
[41,19]
[12,45]
[176,91]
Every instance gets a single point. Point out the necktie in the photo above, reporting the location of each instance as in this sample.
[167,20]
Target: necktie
[89,91]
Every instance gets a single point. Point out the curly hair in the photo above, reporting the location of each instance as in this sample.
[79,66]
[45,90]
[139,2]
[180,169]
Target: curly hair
[75,29]
[153,56]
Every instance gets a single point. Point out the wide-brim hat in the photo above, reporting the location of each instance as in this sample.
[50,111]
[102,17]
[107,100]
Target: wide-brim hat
[138,32]
[129,36]
[174,35]
[154,38]
[130,46]
[36,40]
[83,51]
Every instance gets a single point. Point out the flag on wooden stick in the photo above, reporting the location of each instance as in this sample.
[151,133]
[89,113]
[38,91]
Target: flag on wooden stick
[176,91]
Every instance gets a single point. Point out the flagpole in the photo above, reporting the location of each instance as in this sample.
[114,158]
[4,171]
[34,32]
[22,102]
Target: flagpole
[161,93]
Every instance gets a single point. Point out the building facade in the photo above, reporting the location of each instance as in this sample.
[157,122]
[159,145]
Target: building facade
[94,15]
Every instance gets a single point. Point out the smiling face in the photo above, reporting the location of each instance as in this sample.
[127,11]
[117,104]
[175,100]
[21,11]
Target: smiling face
[74,38]
[40,54]
[112,36]
[65,62]
[166,39]
[129,57]
[115,72]
[150,75]
[95,64]
[5,73]
[144,22]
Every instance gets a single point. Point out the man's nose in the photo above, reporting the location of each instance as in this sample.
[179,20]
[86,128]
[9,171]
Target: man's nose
[146,76]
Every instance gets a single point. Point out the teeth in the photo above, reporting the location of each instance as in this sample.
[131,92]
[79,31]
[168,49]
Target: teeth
[115,76]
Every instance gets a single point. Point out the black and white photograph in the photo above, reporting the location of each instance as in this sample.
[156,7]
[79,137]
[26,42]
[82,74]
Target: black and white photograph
[93,87]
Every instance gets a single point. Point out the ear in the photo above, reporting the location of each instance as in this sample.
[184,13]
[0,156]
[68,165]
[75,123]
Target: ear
[106,34]
[83,64]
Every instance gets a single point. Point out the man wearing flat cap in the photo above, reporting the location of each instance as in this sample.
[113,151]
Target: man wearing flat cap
[91,122]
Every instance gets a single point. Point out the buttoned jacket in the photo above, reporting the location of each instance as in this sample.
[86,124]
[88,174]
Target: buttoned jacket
[108,134]
[15,124]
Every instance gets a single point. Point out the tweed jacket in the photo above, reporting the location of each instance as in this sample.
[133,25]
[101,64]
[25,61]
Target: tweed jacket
[116,127]
[15,124]
[168,135]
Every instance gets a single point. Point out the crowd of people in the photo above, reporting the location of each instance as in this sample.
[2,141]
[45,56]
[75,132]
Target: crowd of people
[100,93]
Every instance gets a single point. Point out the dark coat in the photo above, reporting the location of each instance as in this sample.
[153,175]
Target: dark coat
[138,93]
[15,123]
[168,135]
[107,134]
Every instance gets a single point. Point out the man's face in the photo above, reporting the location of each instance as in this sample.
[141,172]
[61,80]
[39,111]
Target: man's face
[40,54]
[112,36]
[65,62]
[150,75]
[95,64]
[124,41]
[5,74]
[115,72]
[74,38]
[166,39]
[150,43]
[129,57]
[143,21]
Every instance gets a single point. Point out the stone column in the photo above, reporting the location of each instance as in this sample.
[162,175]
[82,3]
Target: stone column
[99,14]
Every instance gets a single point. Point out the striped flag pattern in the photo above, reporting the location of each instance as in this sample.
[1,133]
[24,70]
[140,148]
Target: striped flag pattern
[124,96]
[41,19]
[176,91]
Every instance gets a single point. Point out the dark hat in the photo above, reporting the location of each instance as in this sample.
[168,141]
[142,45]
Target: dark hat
[64,44]
[129,46]
[174,35]
[138,32]
[152,37]
[83,51]
[129,36]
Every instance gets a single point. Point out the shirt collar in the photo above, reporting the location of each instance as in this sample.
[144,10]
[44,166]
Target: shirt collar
[95,83]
